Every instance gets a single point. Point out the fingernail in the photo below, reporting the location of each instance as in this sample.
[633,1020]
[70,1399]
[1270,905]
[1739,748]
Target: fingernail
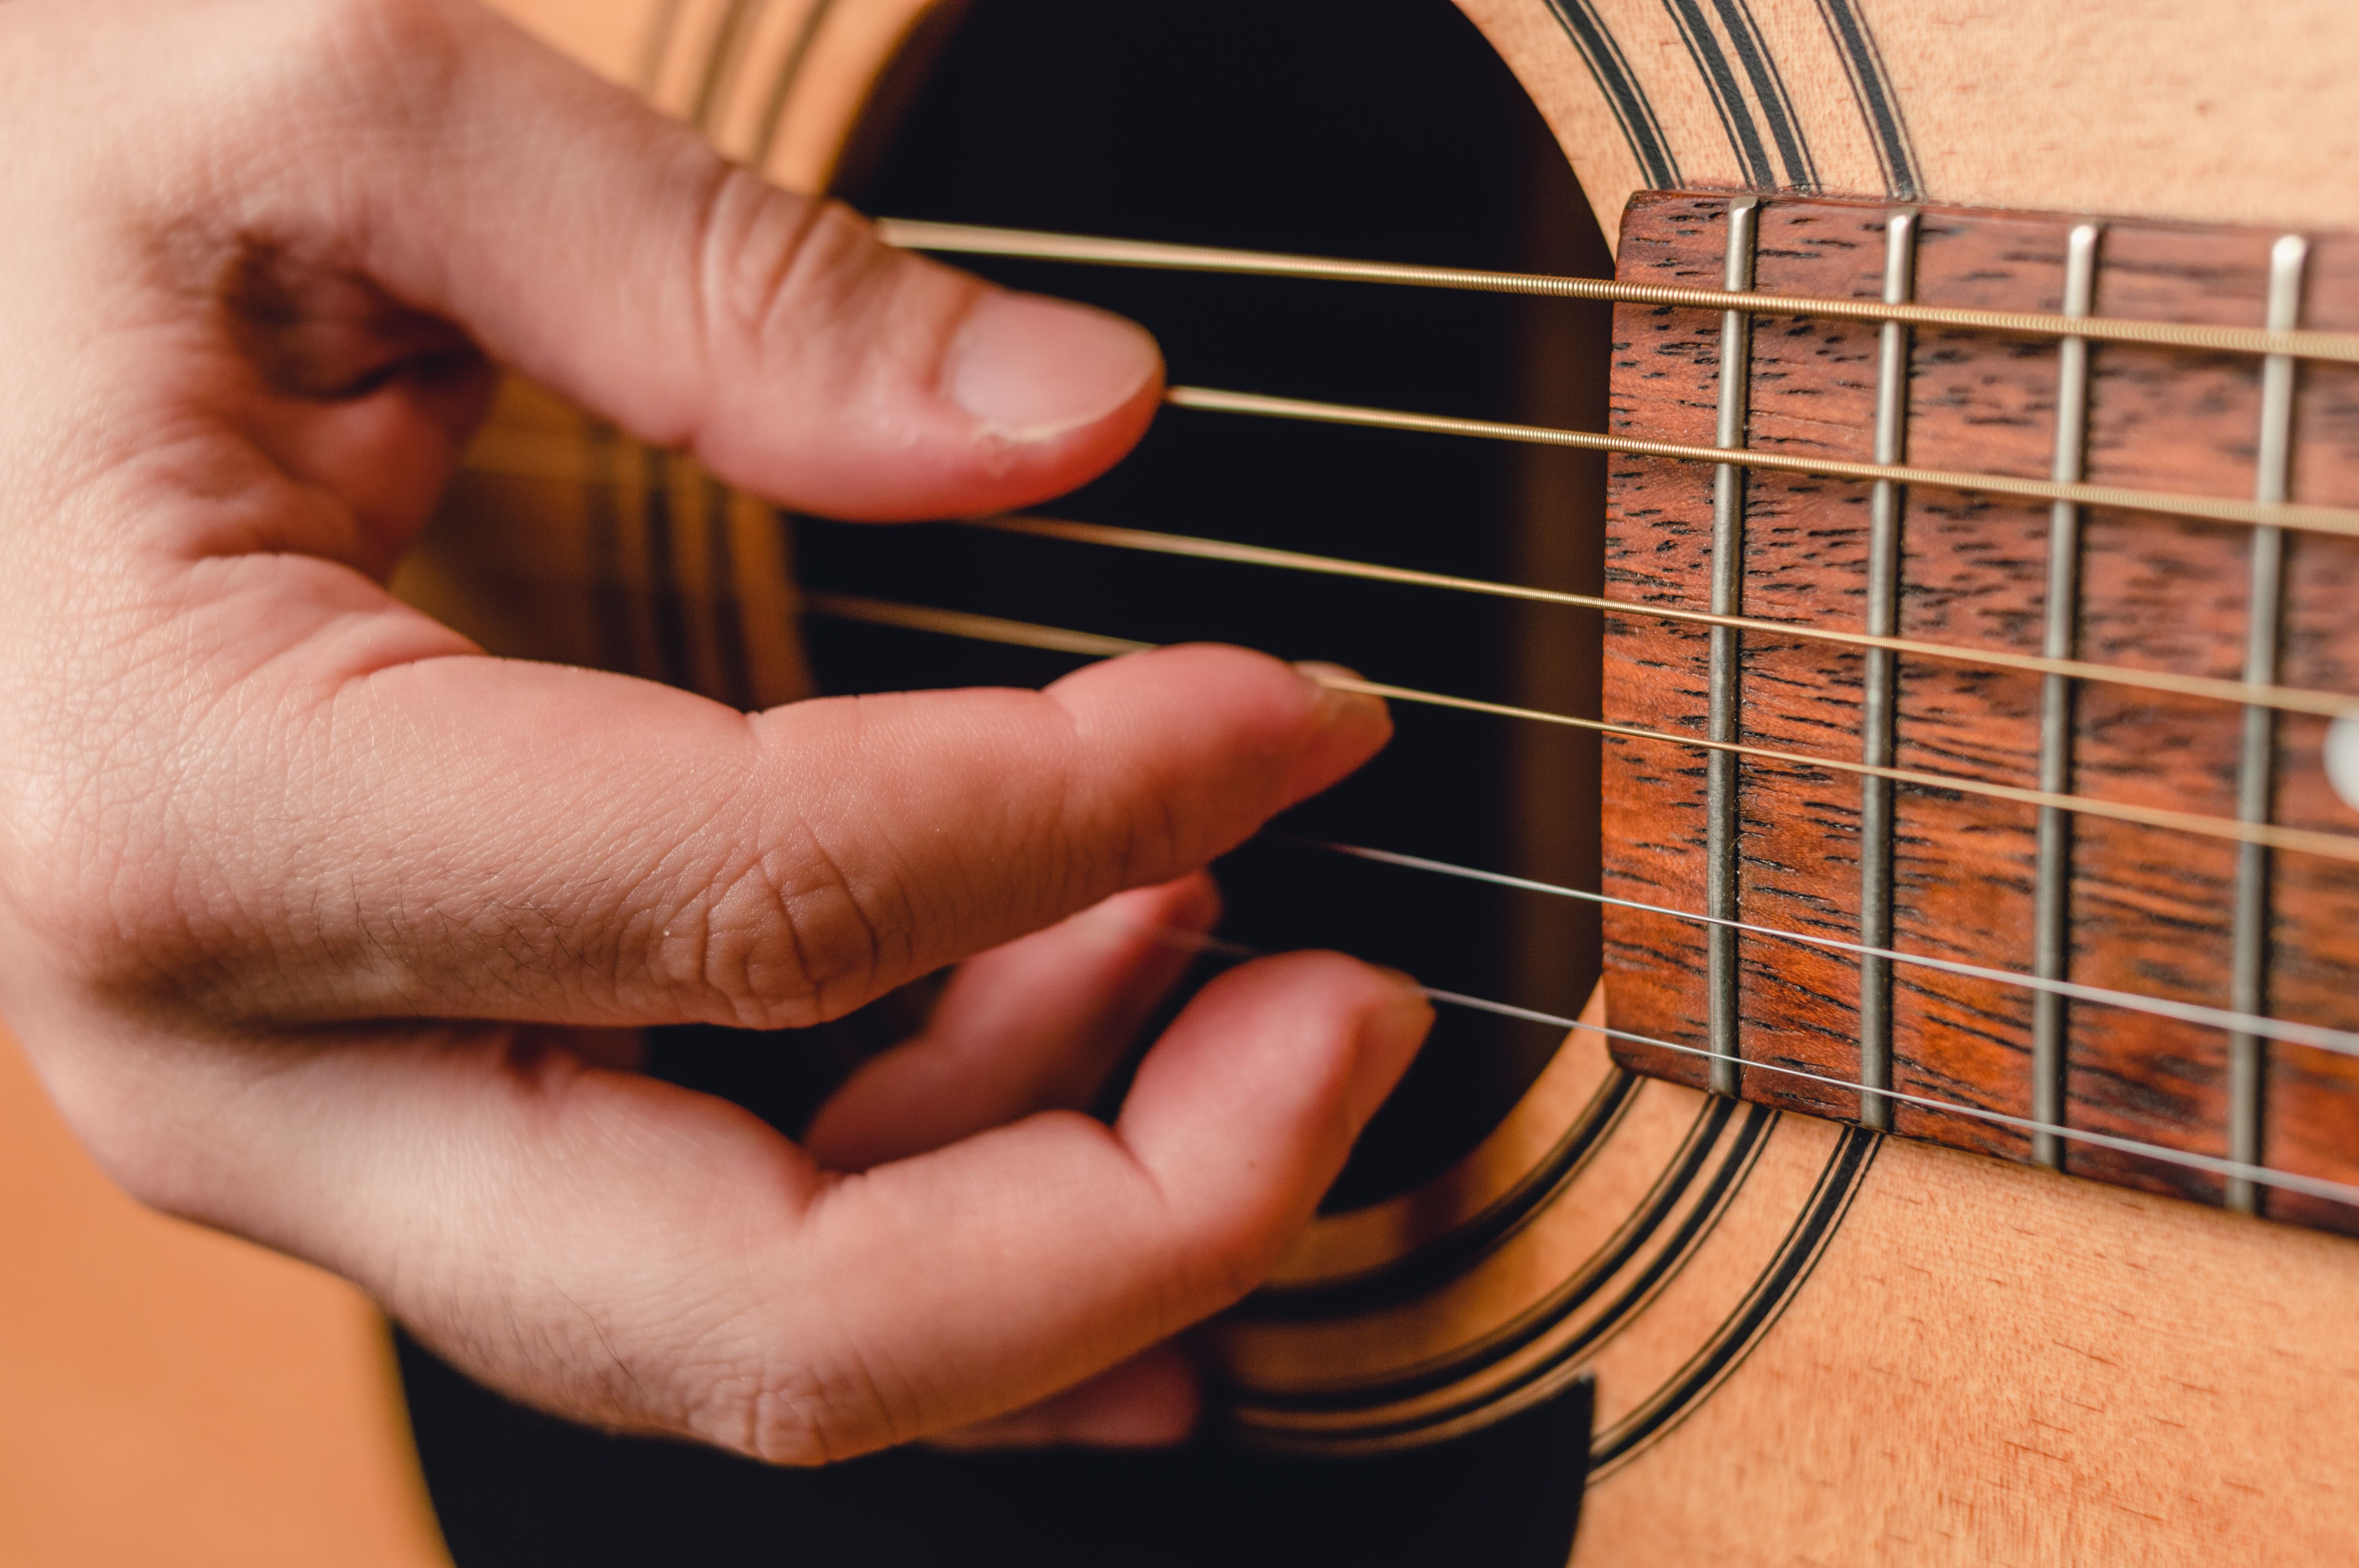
[1352,726]
[1029,368]
[1390,1034]
[2342,760]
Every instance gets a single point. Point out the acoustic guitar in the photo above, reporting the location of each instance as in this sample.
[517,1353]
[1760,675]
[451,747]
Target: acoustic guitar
[1918,1118]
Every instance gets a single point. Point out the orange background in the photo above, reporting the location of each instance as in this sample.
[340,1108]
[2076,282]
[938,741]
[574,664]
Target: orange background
[168,1395]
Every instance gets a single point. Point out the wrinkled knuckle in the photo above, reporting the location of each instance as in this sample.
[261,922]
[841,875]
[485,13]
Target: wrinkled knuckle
[793,1422]
[755,246]
[790,940]
[788,277]
[790,1412]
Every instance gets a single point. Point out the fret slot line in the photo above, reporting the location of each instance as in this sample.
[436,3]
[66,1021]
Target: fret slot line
[2052,913]
[1879,689]
[2256,761]
[1722,823]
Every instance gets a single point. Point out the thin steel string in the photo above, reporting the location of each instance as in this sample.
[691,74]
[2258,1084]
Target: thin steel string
[2313,1186]
[1022,634]
[2341,1042]
[2331,846]
[526,454]
[2290,699]
[2303,515]
[989,628]
[962,239]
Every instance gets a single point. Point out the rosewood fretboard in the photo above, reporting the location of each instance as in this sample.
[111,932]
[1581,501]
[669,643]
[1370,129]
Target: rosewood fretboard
[2128,906]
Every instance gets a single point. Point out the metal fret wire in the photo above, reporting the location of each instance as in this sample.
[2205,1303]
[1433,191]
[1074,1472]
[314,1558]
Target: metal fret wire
[962,239]
[1722,812]
[2314,1186]
[1879,684]
[2290,699]
[2302,515]
[2052,913]
[992,628]
[2257,766]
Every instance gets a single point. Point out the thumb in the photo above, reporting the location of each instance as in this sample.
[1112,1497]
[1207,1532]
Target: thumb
[610,253]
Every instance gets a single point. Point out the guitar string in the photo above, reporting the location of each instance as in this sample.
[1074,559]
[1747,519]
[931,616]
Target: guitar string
[2309,1186]
[2331,520]
[2341,1042]
[2305,344]
[963,239]
[523,454]
[1054,639]
[994,629]
[2302,515]
[2290,699]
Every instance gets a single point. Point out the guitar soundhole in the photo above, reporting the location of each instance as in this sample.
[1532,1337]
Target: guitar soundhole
[1375,129]
[1322,130]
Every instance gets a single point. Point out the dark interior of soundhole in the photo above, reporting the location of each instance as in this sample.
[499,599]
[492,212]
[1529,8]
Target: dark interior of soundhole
[1378,128]
[1385,131]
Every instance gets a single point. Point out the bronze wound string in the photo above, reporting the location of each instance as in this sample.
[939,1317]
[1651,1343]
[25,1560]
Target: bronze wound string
[522,454]
[963,239]
[2290,699]
[2205,508]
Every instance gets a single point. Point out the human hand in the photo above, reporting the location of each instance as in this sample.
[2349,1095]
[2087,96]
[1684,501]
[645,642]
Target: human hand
[320,925]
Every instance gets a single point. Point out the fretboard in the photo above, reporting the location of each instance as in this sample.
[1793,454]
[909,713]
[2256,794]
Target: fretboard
[2111,877]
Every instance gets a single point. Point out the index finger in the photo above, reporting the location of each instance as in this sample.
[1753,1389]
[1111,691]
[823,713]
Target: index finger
[467,837]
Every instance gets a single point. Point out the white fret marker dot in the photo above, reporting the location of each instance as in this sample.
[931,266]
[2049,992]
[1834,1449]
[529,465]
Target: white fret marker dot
[2342,759]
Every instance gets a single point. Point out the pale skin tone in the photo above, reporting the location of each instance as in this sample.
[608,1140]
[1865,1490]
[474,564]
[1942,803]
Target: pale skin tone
[326,929]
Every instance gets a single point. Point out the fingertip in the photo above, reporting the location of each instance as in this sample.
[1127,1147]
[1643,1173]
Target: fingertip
[1298,1042]
[1314,731]
[1350,727]
[1152,1401]
[1030,370]
[1187,905]
[1392,1031]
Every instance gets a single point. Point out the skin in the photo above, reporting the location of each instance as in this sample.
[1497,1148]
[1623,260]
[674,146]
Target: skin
[326,929]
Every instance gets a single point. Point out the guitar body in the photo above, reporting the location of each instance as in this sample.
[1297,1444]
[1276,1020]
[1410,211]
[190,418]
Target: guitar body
[1805,1341]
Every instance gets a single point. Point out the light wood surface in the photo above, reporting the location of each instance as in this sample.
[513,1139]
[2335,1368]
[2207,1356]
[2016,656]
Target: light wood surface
[2203,110]
[168,1395]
